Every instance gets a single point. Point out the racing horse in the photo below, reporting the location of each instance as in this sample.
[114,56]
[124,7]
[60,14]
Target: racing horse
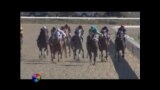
[104,44]
[76,44]
[42,42]
[57,46]
[50,41]
[67,39]
[120,44]
[92,47]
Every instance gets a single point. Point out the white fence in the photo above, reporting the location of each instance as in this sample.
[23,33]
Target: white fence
[112,18]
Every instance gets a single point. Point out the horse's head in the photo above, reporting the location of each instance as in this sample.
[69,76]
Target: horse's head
[120,35]
[53,29]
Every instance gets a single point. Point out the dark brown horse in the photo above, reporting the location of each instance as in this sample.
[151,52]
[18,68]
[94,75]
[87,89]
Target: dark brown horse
[42,42]
[76,44]
[104,44]
[92,47]
[50,40]
[120,44]
[57,46]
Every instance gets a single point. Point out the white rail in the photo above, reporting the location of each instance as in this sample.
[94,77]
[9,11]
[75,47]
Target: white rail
[113,18]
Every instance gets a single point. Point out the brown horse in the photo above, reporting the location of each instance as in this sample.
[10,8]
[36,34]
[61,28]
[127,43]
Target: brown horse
[92,47]
[57,46]
[120,44]
[67,39]
[104,44]
[42,42]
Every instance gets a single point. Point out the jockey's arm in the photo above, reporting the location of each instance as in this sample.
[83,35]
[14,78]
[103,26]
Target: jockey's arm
[63,33]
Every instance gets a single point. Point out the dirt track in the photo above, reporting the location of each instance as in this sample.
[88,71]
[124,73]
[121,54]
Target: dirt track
[68,68]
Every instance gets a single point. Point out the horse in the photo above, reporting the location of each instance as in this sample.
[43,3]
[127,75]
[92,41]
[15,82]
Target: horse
[42,43]
[92,47]
[67,39]
[104,44]
[76,44]
[50,40]
[120,44]
[57,46]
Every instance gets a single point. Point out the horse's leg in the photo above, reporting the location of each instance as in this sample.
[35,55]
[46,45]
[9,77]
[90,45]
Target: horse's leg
[69,47]
[50,50]
[90,56]
[74,51]
[40,49]
[45,52]
[79,54]
[101,55]
[123,52]
[61,51]
[82,52]
[118,54]
[58,55]
[95,55]
[106,54]
[65,49]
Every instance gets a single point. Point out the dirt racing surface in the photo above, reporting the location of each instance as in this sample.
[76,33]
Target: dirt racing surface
[68,68]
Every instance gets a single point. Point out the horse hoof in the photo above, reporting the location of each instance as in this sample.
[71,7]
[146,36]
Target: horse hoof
[39,56]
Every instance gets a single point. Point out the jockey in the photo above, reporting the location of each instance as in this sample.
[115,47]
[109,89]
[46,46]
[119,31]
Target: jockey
[44,28]
[52,31]
[79,30]
[60,32]
[69,29]
[41,31]
[121,29]
[105,30]
[93,30]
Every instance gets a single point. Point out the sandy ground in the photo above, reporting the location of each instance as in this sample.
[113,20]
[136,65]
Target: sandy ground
[67,68]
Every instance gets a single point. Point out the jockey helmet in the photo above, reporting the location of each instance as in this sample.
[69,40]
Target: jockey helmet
[94,31]
[66,25]
[62,27]
[44,27]
[122,27]
[80,26]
